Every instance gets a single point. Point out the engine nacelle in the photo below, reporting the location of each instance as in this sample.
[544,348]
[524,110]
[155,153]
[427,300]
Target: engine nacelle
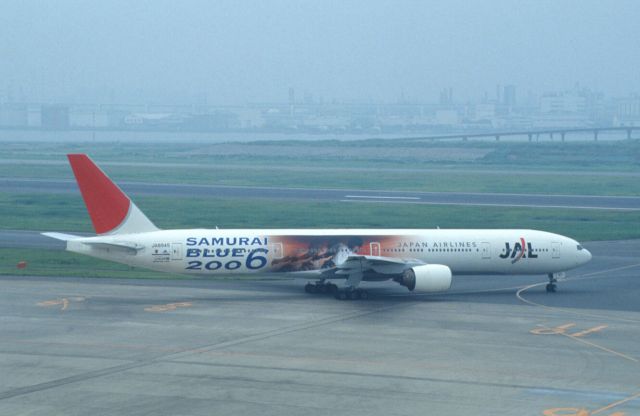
[427,278]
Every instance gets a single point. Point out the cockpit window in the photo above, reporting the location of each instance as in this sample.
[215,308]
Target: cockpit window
[579,247]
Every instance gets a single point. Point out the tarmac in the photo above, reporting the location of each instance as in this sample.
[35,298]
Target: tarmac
[616,203]
[493,345]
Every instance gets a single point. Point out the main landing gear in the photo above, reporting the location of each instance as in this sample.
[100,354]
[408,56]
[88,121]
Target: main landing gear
[349,293]
[321,287]
[352,293]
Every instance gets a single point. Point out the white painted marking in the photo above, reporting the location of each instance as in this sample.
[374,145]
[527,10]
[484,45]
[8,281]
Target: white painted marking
[382,197]
[481,204]
[593,275]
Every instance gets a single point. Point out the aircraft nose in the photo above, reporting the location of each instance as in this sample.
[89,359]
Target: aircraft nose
[586,255]
[582,256]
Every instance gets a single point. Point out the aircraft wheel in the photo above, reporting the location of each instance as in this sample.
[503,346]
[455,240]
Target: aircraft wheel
[309,288]
[332,288]
[364,295]
[341,295]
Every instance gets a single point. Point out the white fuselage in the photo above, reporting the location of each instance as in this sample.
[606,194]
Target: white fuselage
[304,252]
[420,260]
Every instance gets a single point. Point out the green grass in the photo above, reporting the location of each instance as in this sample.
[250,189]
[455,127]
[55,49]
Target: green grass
[555,168]
[603,155]
[62,263]
[446,180]
[43,212]
[67,213]
[603,168]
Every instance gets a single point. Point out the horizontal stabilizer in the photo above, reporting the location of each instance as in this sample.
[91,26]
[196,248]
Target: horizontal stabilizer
[126,246]
[62,236]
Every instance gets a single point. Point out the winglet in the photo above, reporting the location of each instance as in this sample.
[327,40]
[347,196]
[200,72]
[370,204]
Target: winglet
[110,209]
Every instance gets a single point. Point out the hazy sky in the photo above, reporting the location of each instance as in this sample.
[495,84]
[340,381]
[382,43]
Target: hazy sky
[249,51]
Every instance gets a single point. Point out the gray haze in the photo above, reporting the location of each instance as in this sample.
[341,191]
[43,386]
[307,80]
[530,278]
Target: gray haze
[233,52]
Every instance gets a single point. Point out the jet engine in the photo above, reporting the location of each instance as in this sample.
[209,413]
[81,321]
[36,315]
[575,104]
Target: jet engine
[427,278]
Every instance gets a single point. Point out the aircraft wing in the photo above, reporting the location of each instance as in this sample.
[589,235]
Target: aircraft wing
[379,264]
[355,264]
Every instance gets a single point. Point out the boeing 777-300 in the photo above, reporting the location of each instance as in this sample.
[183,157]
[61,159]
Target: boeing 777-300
[422,260]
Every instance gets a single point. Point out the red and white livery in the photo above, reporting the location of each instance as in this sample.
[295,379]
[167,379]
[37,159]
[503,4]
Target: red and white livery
[421,260]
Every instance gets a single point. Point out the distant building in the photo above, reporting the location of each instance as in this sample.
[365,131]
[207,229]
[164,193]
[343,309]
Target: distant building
[170,121]
[509,96]
[14,115]
[563,103]
[484,112]
[54,117]
[250,118]
[308,98]
[447,117]
[446,96]
[627,112]
[292,96]
[88,118]
[34,116]
[216,121]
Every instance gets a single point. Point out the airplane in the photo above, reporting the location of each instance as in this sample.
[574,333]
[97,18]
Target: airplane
[422,260]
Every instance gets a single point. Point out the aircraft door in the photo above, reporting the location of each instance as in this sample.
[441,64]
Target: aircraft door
[176,251]
[276,251]
[555,250]
[486,250]
[374,248]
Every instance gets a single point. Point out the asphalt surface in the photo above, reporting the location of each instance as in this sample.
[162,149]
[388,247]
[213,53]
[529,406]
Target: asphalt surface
[430,198]
[493,345]
[295,168]
[28,239]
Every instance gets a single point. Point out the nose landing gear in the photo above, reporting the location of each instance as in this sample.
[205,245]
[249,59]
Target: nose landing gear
[553,279]
[551,287]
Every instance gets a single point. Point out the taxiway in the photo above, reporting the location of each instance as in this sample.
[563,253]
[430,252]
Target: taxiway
[493,345]
[618,203]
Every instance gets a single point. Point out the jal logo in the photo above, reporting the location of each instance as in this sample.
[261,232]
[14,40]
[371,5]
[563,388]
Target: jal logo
[520,250]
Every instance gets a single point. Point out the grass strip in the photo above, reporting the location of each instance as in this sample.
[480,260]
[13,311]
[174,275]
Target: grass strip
[67,213]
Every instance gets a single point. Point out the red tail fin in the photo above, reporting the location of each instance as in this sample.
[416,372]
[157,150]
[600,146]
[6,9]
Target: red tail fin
[109,208]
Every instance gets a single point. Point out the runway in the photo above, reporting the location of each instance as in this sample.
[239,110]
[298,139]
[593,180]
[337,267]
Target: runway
[617,203]
[28,239]
[493,345]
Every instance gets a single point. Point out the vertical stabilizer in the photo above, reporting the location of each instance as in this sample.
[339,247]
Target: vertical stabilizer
[110,209]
